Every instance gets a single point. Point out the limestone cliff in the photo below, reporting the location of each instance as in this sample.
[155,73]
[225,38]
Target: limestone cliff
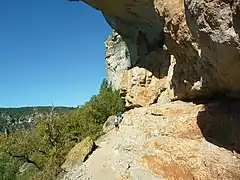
[117,59]
[164,50]
[201,55]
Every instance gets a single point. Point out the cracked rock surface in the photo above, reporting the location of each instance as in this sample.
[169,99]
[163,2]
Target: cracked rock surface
[177,140]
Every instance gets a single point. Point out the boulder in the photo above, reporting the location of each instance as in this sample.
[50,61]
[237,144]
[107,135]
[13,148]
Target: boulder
[109,124]
[26,170]
[78,154]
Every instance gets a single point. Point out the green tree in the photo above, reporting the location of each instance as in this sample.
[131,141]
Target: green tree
[105,86]
[106,104]
[46,145]
[9,167]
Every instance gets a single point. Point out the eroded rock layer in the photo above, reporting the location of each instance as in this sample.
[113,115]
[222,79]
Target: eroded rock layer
[201,36]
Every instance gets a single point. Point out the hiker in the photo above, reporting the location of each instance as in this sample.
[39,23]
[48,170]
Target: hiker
[116,123]
[118,120]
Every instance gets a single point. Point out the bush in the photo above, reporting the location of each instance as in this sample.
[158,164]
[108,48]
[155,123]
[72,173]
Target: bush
[46,145]
[9,167]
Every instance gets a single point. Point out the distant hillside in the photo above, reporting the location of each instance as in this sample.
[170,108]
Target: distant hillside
[23,117]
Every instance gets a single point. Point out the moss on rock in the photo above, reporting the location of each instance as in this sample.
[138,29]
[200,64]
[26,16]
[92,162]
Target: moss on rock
[78,154]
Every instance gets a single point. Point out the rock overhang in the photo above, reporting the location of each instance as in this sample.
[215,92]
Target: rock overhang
[191,31]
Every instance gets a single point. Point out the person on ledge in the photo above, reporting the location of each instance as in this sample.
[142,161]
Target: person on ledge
[118,120]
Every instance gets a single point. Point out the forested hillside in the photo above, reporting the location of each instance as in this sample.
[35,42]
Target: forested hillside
[37,153]
[23,117]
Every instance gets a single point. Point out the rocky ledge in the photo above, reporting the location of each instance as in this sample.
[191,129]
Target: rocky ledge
[174,141]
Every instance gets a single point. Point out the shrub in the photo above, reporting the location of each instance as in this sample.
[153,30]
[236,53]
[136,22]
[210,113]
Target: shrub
[46,145]
[9,167]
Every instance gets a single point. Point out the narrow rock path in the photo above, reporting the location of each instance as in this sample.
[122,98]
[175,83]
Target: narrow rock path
[158,142]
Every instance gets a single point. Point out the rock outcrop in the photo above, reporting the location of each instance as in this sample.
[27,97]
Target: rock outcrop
[201,38]
[148,82]
[117,59]
[78,154]
[176,140]
[160,51]
[213,25]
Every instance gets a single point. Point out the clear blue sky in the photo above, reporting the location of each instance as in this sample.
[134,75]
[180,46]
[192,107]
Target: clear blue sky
[50,51]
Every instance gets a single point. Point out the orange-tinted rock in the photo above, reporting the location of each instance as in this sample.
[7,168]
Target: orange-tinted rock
[168,170]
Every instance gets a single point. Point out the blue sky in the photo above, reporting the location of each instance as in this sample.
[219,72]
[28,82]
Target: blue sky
[50,51]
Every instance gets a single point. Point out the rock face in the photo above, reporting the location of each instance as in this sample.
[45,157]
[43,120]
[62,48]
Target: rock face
[160,51]
[213,25]
[142,85]
[176,140]
[117,59]
[201,38]
[78,154]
